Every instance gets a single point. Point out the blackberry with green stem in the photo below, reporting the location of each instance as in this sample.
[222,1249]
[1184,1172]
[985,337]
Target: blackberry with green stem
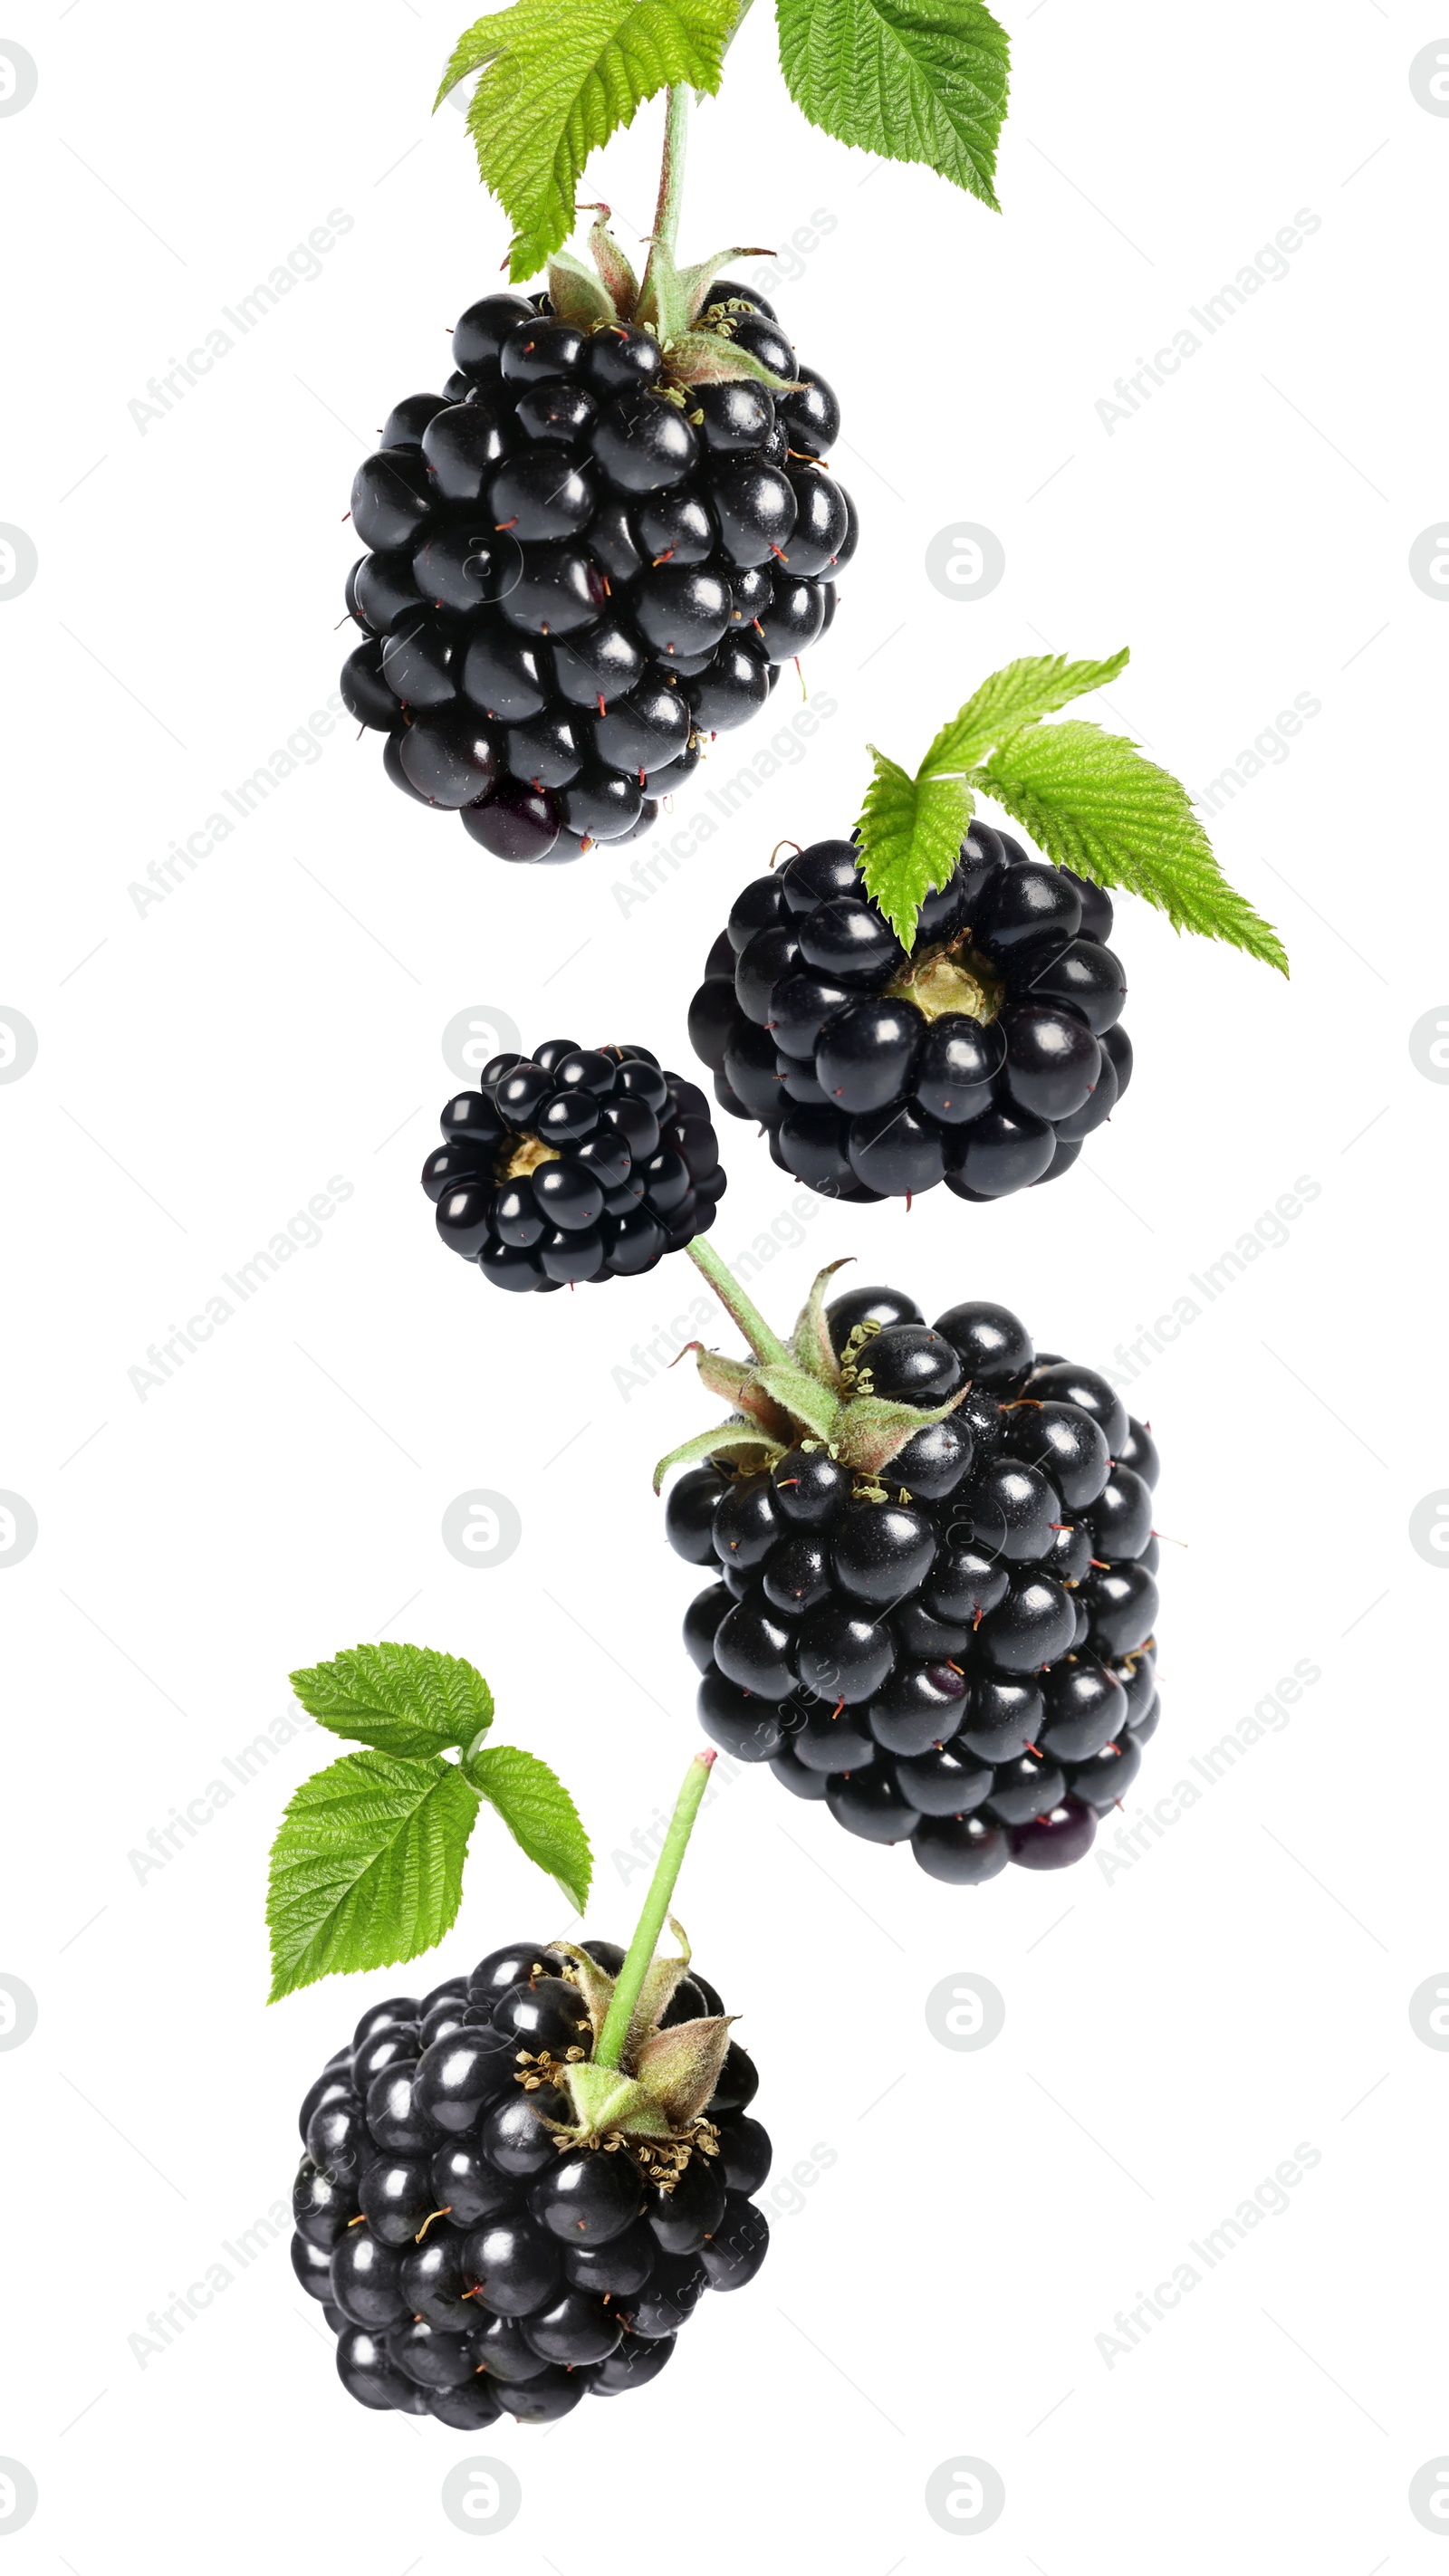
[934,1576]
[579,2170]
[593,550]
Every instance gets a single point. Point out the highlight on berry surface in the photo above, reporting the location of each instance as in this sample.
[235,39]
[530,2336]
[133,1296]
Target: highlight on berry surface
[901,79]
[932,1586]
[1088,798]
[518,2187]
[367,1865]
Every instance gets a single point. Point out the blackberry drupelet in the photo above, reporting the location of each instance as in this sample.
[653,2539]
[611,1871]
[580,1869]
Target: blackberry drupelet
[587,556]
[508,2258]
[982,1059]
[577,1163]
[932,1594]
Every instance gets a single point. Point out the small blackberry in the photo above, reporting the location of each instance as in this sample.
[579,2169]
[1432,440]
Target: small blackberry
[536,2201]
[933,1596]
[592,551]
[981,1059]
[577,1163]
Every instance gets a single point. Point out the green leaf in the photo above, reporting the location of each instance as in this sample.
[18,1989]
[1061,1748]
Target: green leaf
[557,80]
[540,1815]
[911,831]
[367,1866]
[1091,801]
[1034,686]
[914,80]
[406,1700]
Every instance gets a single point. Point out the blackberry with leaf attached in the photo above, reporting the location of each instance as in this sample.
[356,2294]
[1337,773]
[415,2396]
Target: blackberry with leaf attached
[574,1164]
[932,1594]
[517,2188]
[592,551]
[926,1001]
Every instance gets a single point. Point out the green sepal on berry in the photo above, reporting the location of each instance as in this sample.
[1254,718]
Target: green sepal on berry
[367,1866]
[1087,797]
[664,2080]
[694,335]
[804,1405]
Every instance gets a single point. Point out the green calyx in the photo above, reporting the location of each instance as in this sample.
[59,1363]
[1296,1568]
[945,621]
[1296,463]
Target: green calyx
[653,2100]
[695,335]
[809,1399]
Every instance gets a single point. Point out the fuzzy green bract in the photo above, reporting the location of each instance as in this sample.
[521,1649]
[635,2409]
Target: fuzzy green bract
[914,80]
[1088,798]
[540,1815]
[557,78]
[367,1868]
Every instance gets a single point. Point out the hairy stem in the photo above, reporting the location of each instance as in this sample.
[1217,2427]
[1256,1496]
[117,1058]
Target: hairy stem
[765,1344]
[671,168]
[651,1921]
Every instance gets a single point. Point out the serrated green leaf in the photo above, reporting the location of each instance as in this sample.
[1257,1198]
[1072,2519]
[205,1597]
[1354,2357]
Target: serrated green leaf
[911,831]
[1094,804]
[802,1396]
[540,1815]
[914,80]
[405,1700]
[557,78]
[725,1441]
[367,1866]
[1035,686]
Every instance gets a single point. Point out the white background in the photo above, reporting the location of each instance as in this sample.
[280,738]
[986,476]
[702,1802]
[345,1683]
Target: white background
[204,1067]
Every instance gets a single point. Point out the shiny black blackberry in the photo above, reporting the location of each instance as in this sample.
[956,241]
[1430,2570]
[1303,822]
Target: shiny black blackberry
[582,568]
[494,2267]
[577,1163]
[950,1644]
[982,1060]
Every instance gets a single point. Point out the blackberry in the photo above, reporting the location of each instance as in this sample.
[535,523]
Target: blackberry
[553,2247]
[592,552]
[981,1059]
[932,1600]
[577,1163]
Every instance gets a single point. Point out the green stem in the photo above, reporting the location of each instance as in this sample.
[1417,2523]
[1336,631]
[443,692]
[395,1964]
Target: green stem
[671,168]
[651,1922]
[765,1344]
